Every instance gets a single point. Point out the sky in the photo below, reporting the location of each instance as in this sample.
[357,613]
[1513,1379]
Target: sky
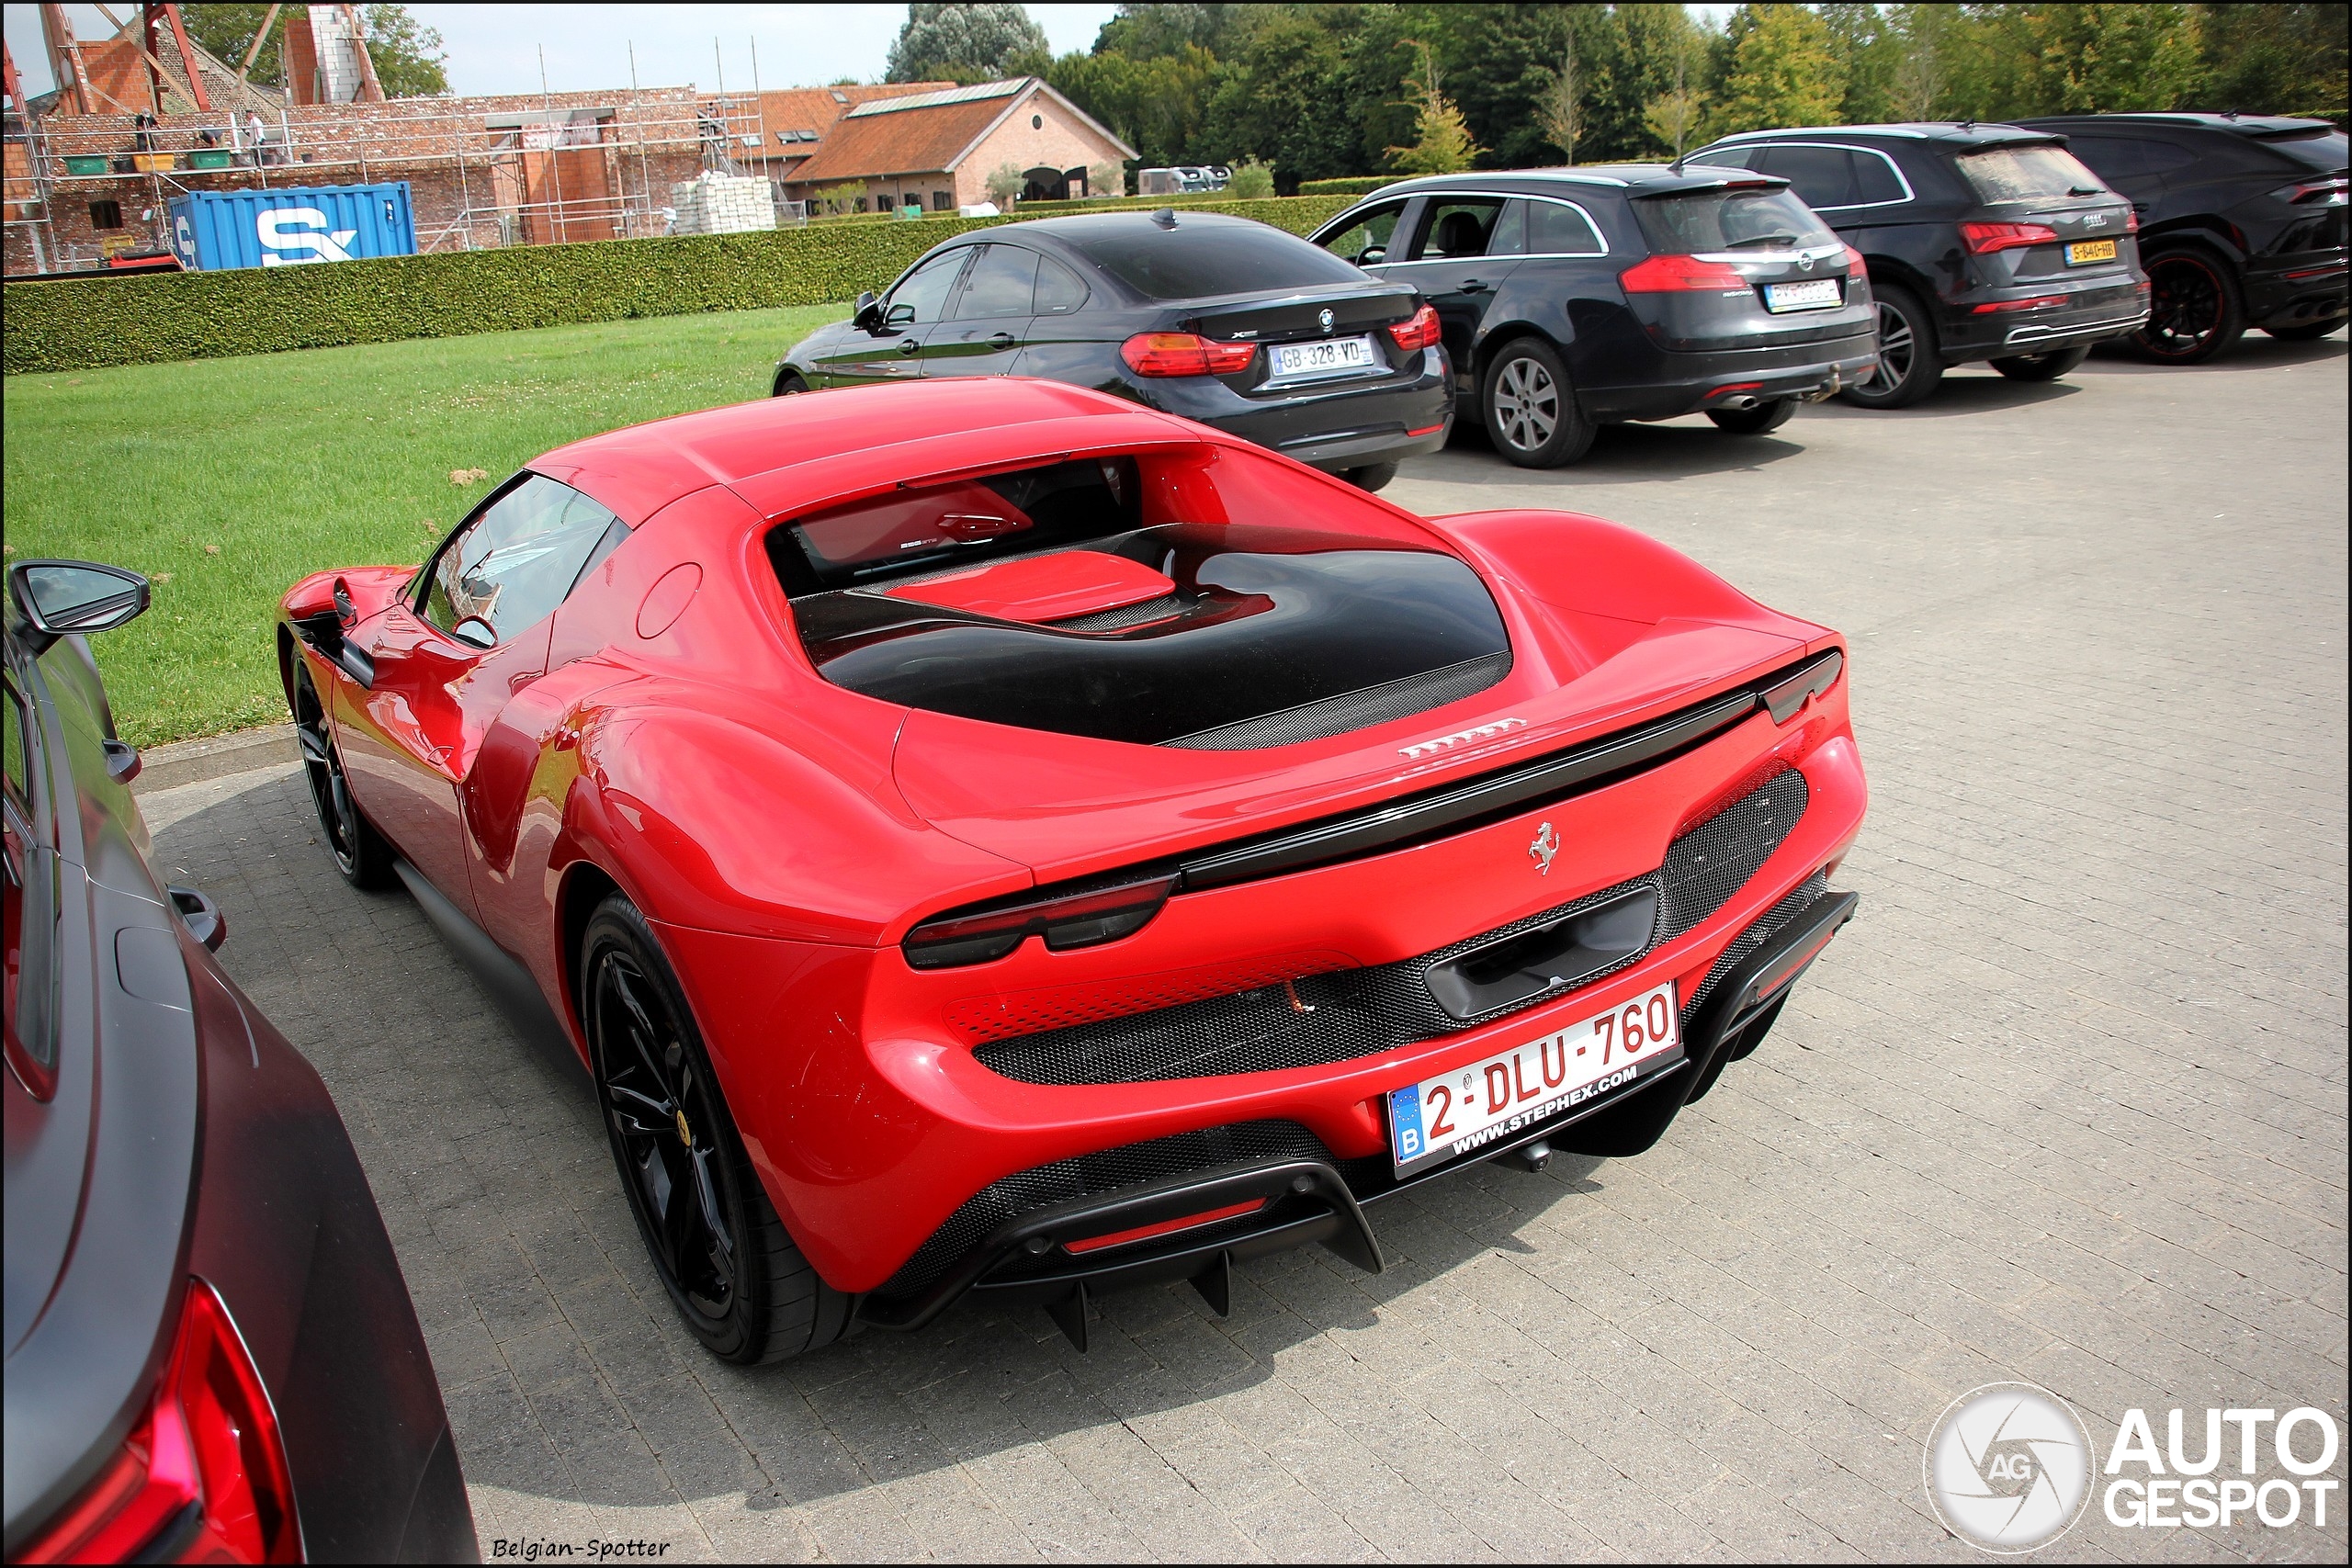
[496,48]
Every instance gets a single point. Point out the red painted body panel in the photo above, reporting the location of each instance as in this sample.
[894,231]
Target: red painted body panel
[664,730]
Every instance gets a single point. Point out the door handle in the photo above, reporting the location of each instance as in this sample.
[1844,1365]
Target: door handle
[1472,286]
[1001,340]
[909,346]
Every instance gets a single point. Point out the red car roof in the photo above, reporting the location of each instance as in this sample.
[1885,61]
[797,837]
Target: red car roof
[833,441]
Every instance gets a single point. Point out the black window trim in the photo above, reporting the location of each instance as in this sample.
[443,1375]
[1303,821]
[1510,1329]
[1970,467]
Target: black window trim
[1507,197]
[1909,196]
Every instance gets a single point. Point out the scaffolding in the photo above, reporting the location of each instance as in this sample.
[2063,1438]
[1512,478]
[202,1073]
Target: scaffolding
[515,169]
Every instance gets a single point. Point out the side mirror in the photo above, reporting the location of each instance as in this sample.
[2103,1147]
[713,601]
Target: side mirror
[60,598]
[899,316]
[475,632]
[868,314]
[1373,256]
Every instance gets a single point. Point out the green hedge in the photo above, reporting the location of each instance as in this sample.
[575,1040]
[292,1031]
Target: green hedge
[81,324]
[1354,185]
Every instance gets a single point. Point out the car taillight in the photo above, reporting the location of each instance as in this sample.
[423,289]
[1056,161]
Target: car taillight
[2131,222]
[2317,193]
[202,1476]
[1185,354]
[1680,275]
[1983,239]
[1855,265]
[1419,332]
[1071,920]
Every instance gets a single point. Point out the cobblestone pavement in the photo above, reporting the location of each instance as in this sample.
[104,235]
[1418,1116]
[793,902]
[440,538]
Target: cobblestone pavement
[2066,1103]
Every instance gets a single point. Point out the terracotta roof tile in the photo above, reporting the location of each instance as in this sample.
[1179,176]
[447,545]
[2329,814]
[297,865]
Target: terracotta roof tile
[909,141]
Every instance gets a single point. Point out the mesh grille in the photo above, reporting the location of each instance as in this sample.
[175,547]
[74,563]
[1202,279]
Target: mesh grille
[1353,710]
[1087,1176]
[1755,936]
[1349,1013]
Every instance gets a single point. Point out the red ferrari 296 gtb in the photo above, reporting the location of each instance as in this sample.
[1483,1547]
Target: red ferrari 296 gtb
[988,838]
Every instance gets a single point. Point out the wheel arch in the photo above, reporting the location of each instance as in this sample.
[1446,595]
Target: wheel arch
[1491,347]
[2199,233]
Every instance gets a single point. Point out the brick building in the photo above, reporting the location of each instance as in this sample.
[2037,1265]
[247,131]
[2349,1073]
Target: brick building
[937,149]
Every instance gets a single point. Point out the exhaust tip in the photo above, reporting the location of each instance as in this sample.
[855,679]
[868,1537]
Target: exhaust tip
[1739,401]
[1531,1158]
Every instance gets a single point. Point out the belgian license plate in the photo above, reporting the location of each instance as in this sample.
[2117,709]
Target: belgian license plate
[1486,1102]
[2082,252]
[1819,294]
[1331,356]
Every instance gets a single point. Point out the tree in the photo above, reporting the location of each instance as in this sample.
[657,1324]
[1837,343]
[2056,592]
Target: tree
[2273,59]
[1785,70]
[1921,68]
[408,55]
[1283,94]
[1005,183]
[1106,179]
[965,44]
[1443,143]
[409,60]
[1252,180]
[1871,52]
[1673,116]
[1559,109]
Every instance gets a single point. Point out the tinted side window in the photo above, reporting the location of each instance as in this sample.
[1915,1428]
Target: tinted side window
[1557,231]
[1821,177]
[1454,229]
[514,564]
[922,297]
[1365,241]
[1001,283]
[1875,179]
[1059,290]
[1726,157]
[2128,158]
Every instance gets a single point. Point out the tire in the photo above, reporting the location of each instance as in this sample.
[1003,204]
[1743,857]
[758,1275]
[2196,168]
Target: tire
[1530,410]
[722,1253]
[1755,421]
[1372,476]
[2041,366]
[360,852]
[2196,309]
[1910,352]
[2305,332]
[789,383]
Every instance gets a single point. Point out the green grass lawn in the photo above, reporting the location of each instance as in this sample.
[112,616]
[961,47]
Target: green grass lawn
[225,479]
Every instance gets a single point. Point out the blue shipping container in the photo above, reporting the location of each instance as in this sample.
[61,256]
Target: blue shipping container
[211,229]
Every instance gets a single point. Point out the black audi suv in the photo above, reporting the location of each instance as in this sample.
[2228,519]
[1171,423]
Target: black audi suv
[2241,222]
[1571,299]
[1222,319]
[211,1355]
[1984,243]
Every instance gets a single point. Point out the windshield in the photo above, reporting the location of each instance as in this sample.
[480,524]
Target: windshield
[1199,260]
[2027,174]
[1754,218]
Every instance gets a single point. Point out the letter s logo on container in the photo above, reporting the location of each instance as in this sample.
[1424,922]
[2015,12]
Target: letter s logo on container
[290,235]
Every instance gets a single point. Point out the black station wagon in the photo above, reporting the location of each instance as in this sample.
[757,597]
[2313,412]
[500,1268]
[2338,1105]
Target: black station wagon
[1574,297]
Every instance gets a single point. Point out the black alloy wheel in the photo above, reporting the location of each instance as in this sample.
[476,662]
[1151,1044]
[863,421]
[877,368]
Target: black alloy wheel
[1530,410]
[790,383]
[715,1240]
[360,852]
[1763,417]
[1910,362]
[2194,308]
[2044,366]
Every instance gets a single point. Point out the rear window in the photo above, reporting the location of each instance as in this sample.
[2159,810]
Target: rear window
[1695,223]
[930,529]
[2025,174]
[2318,146]
[1200,260]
